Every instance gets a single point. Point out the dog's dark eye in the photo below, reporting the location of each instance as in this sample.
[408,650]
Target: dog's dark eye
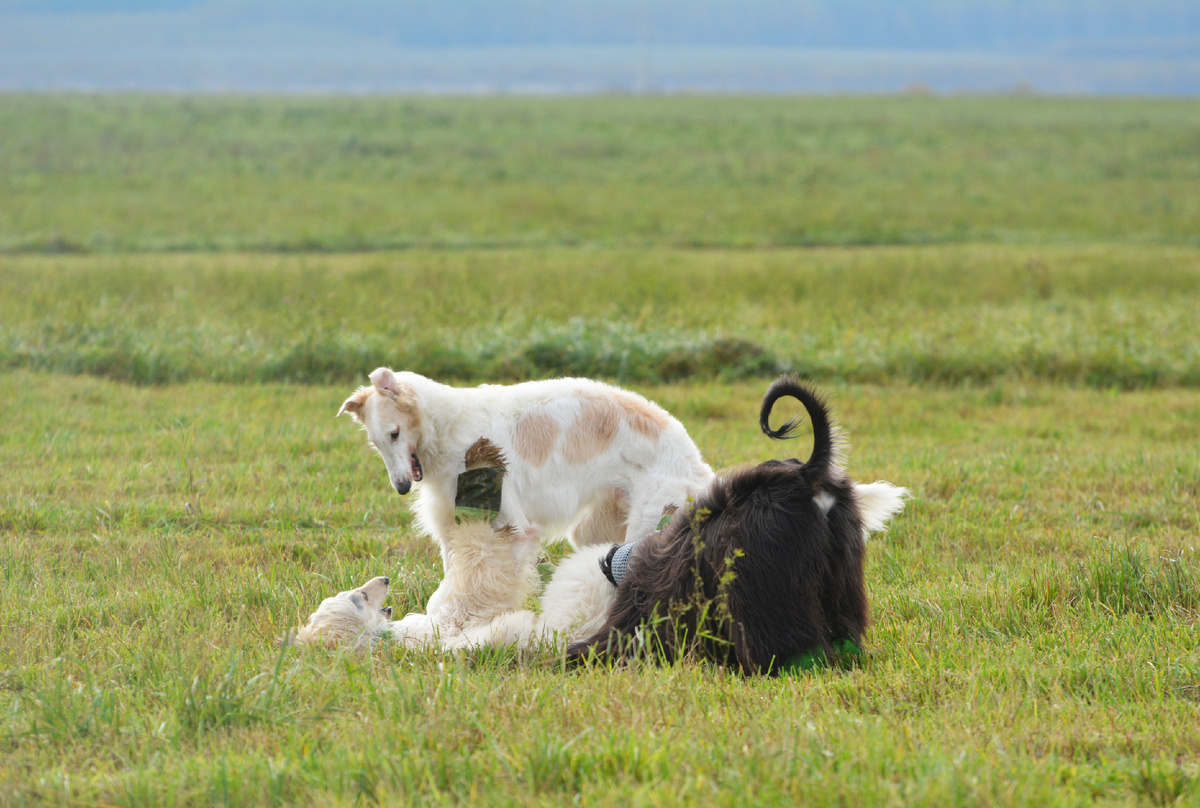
[395,435]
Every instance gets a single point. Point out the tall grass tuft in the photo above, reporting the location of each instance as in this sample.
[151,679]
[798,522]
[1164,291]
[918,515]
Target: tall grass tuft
[1120,579]
[232,694]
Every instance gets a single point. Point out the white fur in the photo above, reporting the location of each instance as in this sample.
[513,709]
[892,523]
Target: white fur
[486,574]
[618,494]
[574,605]
[355,617]
[825,501]
[878,502]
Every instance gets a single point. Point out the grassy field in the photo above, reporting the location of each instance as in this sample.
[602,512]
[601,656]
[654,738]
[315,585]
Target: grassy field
[1034,640]
[191,286]
[1099,315]
[301,174]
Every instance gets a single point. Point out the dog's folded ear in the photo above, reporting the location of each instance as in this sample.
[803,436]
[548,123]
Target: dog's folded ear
[385,381]
[354,404]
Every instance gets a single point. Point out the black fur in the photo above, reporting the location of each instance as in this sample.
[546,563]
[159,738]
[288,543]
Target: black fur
[754,573]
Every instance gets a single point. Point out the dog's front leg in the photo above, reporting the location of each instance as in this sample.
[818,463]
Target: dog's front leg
[437,600]
[414,629]
[486,573]
[521,628]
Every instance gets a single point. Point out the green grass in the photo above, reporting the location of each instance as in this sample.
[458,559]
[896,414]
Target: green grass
[999,294]
[302,174]
[1102,316]
[1033,641]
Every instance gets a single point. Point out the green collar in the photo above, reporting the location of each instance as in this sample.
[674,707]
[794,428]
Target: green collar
[478,496]
[844,650]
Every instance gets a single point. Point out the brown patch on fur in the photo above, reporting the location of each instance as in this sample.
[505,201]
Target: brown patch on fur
[594,429]
[604,523]
[534,437]
[642,416]
[355,403]
[484,454]
[405,403]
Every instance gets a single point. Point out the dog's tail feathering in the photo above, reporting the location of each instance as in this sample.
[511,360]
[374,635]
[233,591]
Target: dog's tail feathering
[825,445]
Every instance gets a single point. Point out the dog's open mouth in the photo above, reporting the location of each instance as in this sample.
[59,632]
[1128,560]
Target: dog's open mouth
[417,474]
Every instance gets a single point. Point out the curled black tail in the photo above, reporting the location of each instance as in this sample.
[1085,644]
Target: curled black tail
[824,441]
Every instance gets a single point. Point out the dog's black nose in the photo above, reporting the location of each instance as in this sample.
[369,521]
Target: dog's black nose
[402,486]
[386,580]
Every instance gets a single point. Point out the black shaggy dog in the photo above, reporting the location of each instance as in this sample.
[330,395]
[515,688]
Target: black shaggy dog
[764,568]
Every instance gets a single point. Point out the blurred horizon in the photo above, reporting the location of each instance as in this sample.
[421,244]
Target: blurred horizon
[1069,47]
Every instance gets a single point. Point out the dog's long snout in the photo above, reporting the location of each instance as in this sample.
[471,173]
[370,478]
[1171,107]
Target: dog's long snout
[402,486]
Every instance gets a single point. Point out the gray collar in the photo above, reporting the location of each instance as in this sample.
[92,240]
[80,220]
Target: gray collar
[616,563]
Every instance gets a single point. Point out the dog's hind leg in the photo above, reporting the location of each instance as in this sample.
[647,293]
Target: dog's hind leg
[603,522]
[577,600]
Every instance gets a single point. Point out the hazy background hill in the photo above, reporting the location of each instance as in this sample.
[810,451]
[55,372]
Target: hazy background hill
[1054,46]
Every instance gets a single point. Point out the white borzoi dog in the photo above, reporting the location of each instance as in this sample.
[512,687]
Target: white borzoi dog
[583,459]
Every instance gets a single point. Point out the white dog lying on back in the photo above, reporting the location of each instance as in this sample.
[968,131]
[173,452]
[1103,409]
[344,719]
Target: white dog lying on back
[574,605]
[585,460]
